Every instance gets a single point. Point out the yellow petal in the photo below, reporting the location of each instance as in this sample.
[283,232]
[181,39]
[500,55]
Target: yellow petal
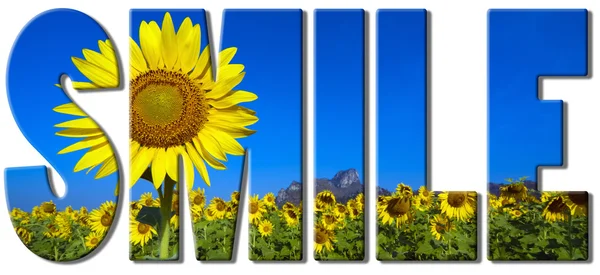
[85,143]
[225,86]
[229,71]
[159,167]
[101,61]
[198,162]
[188,43]
[134,146]
[140,163]
[233,98]
[150,42]
[69,109]
[172,164]
[202,64]
[136,57]
[75,133]
[188,167]
[108,167]
[229,144]
[226,55]
[107,50]
[81,123]
[169,42]
[234,131]
[231,117]
[100,76]
[211,145]
[117,188]
[94,156]
[85,85]
[205,155]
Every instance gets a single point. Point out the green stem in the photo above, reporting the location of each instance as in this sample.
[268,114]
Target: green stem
[165,213]
[55,251]
[82,240]
[449,249]
[570,236]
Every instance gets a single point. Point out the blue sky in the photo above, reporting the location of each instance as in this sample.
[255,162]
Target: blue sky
[42,53]
[524,132]
[339,92]
[401,98]
[269,46]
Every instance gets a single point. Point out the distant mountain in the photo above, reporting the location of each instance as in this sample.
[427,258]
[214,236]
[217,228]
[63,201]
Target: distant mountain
[292,194]
[344,185]
[494,188]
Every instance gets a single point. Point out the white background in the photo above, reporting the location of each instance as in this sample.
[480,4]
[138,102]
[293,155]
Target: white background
[459,134]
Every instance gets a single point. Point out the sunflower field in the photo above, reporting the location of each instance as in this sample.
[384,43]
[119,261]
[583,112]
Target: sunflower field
[62,235]
[529,225]
[213,226]
[275,234]
[339,228]
[427,226]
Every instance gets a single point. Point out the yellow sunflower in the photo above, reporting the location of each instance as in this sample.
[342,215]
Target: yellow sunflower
[395,209]
[324,239]
[425,193]
[197,198]
[140,233]
[330,221]
[265,228]
[219,207]
[440,225]
[147,200]
[404,190]
[24,234]
[93,239]
[516,213]
[360,199]
[556,210]
[292,217]
[340,211]
[178,108]
[100,220]
[256,209]
[577,203]
[235,197]
[174,221]
[48,208]
[423,203]
[514,190]
[325,199]
[459,205]
[269,200]
[209,215]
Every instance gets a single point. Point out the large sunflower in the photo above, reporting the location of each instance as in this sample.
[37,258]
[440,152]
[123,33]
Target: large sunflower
[459,205]
[177,108]
[395,209]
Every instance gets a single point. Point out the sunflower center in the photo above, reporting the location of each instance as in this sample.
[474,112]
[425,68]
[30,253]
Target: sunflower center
[106,220]
[320,237]
[517,213]
[327,199]
[329,219]
[94,241]
[253,207]
[341,209]
[236,196]
[198,200]
[143,228]
[48,208]
[440,228]
[167,109]
[267,228]
[557,205]
[398,206]
[221,206]
[291,214]
[578,198]
[270,199]
[457,199]
[175,206]
[149,202]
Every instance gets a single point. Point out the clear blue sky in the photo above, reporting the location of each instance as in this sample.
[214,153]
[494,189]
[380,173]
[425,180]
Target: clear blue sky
[42,53]
[524,132]
[401,98]
[339,92]
[270,47]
